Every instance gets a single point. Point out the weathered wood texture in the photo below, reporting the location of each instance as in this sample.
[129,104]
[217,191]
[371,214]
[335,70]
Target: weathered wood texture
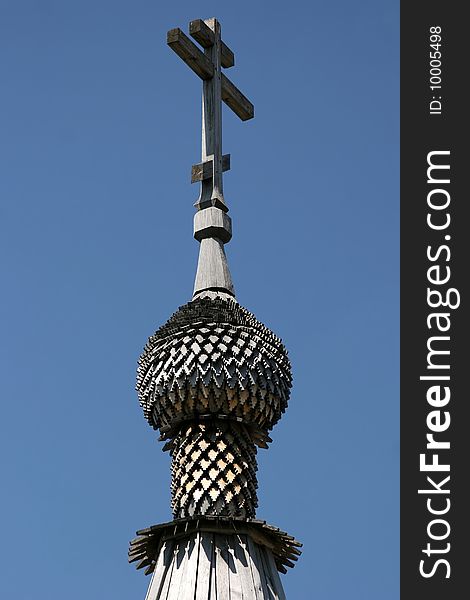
[237,101]
[212,222]
[144,549]
[203,67]
[205,36]
[212,566]
[214,470]
[190,53]
[213,272]
[214,356]
[212,269]
[204,170]
[212,193]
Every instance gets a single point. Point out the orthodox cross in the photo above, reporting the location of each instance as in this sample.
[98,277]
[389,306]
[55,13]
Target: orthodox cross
[216,88]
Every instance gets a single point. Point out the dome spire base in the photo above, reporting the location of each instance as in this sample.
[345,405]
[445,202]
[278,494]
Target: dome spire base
[213,273]
[151,549]
[210,566]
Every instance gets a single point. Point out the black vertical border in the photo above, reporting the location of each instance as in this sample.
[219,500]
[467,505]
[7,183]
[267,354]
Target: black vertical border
[420,134]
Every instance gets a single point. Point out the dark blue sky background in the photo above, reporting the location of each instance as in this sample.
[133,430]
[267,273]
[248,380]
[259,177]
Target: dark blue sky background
[100,123]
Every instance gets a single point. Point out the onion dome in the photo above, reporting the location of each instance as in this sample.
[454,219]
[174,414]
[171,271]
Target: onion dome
[213,357]
[214,381]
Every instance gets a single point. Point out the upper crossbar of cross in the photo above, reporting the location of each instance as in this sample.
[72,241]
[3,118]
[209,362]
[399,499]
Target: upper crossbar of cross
[207,64]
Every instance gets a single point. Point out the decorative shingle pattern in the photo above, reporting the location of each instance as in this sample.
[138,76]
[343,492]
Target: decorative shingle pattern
[213,470]
[144,549]
[213,357]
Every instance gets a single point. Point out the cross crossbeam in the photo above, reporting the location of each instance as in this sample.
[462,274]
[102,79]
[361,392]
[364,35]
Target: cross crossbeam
[205,36]
[217,88]
[203,170]
[202,66]
[190,53]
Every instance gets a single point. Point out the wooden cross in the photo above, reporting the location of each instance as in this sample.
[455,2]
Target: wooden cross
[216,88]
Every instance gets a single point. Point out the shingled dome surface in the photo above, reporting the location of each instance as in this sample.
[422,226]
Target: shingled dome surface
[213,357]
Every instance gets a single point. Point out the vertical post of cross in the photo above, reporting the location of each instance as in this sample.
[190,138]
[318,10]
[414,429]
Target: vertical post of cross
[212,189]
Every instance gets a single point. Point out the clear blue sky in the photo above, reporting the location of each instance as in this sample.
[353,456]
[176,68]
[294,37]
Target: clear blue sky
[100,123]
